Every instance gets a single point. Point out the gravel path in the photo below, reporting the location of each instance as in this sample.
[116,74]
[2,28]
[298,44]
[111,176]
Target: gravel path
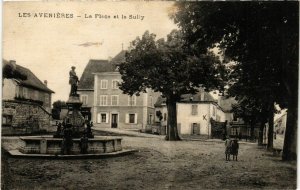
[158,164]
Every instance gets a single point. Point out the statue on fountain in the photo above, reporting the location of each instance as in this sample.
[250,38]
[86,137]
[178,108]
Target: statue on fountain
[73,81]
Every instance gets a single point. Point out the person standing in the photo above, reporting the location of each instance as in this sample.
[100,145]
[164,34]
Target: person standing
[227,148]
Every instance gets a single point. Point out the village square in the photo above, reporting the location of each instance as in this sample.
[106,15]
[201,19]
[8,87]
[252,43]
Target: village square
[210,104]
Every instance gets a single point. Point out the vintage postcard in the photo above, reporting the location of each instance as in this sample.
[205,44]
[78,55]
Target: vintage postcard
[149,95]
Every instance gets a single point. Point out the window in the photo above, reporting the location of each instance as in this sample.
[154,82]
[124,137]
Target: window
[115,84]
[194,109]
[103,100]
[6,120]
[104,84]
[131,118]
[25,92]
[132,100]
[165,116]
[114,100]
[84,99]
[102,118]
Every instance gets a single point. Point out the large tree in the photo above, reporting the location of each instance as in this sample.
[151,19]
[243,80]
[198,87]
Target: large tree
[262,37]
[166,66]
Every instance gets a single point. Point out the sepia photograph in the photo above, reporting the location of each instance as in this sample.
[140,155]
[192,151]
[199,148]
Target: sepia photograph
[149,95]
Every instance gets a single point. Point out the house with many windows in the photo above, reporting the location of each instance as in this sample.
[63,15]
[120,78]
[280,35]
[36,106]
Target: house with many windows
[110,107]
[114,109]
[197,114]
[26,103]
[86,85]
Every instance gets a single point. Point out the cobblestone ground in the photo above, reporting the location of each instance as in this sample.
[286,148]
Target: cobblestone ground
[158,164]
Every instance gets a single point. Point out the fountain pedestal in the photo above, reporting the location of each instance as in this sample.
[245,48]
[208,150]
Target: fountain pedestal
[74,118]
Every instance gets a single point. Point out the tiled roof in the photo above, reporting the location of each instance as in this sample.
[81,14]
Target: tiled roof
[119,58]
[197,97]
[188,98]
[93,66]
[98,66]
[31,80]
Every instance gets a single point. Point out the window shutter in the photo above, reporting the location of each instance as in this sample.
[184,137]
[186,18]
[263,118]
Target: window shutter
[98,118]
[127,118]
[135,118]
[106,117]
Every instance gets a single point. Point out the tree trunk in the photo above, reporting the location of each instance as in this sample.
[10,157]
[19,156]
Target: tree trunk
[290,139]
[172,132]
[290,72]
[261,134]
[271,127]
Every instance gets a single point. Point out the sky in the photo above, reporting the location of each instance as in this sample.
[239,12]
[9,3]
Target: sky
[50,46]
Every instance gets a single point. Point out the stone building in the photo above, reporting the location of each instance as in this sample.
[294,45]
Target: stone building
[110,107]
[26,103]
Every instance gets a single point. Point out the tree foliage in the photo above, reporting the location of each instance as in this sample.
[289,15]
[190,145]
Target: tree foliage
[166,66]
[262,39]
[9,71]
[58,105]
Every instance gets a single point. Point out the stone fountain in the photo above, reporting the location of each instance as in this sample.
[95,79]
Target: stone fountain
[73,136]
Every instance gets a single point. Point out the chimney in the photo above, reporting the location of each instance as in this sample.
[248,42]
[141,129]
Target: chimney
[45,82]
[109,58]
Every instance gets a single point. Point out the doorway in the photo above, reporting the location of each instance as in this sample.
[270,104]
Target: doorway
[196,129]
[114,120]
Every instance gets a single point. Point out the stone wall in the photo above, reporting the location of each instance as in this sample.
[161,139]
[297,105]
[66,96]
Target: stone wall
[25,116]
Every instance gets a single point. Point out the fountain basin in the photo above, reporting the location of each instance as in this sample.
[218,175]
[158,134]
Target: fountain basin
[52,146]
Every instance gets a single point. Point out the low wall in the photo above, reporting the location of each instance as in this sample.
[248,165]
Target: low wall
[42,145]
[24,117]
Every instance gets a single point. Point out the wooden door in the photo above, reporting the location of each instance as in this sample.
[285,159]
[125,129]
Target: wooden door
[196,129]
[114,120]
